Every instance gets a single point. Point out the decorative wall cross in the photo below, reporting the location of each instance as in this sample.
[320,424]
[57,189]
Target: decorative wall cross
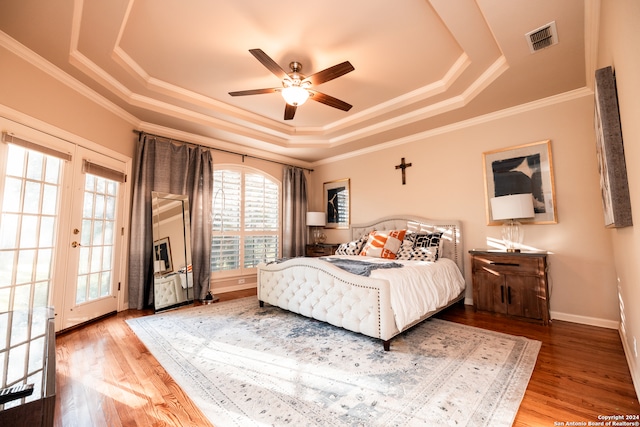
[403,166]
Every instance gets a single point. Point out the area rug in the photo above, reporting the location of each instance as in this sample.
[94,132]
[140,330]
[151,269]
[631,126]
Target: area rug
[244,365]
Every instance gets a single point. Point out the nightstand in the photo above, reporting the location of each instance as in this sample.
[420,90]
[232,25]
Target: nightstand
[514,284]
[321,249]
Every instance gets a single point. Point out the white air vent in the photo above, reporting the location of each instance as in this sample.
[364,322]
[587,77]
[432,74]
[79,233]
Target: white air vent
[542,37]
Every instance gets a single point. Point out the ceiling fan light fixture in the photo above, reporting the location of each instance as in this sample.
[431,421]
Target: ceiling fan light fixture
[296,88]
[295,95]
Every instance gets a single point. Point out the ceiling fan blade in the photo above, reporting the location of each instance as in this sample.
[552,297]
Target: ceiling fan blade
[253,91]
[269,63]
[330,73]
[289,111]
[329,100]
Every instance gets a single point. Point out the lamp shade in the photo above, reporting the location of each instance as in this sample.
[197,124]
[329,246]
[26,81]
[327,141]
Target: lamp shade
[295,95]
[513,206]
[316,219]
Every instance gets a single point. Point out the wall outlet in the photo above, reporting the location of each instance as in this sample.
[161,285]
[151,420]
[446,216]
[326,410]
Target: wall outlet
[240,281]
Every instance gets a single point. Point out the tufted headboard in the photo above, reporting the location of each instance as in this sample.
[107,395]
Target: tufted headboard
[451,233]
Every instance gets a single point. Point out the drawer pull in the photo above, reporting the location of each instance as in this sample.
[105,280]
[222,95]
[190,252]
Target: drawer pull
[508,264]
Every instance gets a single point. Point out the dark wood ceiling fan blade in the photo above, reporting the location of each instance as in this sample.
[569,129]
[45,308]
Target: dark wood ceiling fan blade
[329,100]
[330,73]
[253,91]
[289,111]
[269,63]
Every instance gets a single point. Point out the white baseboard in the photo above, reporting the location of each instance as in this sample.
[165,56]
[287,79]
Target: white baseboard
[592,321]
[232,288]
[631,361]
[585,320]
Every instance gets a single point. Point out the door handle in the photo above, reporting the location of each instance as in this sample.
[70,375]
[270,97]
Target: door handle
[75,244]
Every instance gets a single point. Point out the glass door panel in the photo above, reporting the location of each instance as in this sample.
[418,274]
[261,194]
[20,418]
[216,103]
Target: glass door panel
[28,227]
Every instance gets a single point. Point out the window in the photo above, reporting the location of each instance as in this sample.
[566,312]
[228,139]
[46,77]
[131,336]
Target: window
[97,242]
[28,220]
[246,220]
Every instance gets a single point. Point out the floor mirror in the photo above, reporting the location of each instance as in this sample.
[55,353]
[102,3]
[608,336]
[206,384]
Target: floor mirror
[173,278]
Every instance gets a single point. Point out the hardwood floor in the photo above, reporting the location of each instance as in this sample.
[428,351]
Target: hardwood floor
[581,371]
[106,377]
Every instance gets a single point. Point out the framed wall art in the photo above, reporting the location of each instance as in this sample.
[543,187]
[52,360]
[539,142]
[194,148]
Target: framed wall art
[522,169]
[337,203]
[162,250]
[614,186]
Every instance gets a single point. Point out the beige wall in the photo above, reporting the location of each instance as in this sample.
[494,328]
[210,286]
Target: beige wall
[446,181]
[31,91]
[618,47]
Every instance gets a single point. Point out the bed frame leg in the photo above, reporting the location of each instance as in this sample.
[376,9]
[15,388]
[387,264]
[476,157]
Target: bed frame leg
[261,303]
[387,345]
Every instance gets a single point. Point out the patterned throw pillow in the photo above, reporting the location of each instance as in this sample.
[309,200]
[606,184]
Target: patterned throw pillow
[407,246]
[410,252]
[352,248]
[423,240]
[425,254]
[421,247]
[383,244]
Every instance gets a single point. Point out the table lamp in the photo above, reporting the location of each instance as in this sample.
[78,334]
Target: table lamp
[317,220]
[511,208]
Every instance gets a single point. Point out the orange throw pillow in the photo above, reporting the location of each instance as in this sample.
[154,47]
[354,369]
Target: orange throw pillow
[383,244]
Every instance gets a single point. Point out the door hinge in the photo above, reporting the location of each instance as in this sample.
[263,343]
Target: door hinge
[122,231]
[118,286]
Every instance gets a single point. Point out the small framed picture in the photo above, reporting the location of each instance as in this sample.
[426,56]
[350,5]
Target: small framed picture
[163,263]
[337,203]
[522,169]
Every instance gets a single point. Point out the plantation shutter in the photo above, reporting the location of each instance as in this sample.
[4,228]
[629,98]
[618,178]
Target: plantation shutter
[261,220]
[227,203]
[261,207]
[246,221]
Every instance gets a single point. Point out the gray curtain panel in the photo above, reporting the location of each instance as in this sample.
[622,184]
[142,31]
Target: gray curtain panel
[169,167]
[294,207]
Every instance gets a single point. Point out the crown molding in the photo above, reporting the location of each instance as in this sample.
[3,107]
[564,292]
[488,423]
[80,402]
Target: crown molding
[486,118]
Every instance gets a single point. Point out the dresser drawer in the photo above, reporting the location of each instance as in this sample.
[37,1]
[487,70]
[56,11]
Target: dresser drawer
[508,264]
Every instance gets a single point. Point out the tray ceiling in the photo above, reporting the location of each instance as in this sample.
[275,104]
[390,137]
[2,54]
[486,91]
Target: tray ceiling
[419,65]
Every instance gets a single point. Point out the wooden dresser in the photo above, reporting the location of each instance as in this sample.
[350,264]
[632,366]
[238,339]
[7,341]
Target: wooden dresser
[514,284]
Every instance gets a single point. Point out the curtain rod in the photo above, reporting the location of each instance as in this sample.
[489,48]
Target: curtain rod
[140,133]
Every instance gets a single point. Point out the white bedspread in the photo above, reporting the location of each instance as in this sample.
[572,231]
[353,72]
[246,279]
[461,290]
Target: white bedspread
[419,287]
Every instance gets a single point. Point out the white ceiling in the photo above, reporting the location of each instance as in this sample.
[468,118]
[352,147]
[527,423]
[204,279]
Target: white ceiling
[419,64]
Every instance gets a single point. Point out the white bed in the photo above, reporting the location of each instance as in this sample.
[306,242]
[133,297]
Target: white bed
[381,305]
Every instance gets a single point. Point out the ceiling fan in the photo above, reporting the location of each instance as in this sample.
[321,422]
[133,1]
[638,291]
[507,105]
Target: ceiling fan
[296,88]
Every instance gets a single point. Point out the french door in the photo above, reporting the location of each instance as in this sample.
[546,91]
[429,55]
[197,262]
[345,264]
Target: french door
[94,240]
[61,232]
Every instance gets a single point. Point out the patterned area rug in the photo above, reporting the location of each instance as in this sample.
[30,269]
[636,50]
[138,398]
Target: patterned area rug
[249,366]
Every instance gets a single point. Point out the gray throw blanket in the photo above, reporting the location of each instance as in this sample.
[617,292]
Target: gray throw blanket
[362,268]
